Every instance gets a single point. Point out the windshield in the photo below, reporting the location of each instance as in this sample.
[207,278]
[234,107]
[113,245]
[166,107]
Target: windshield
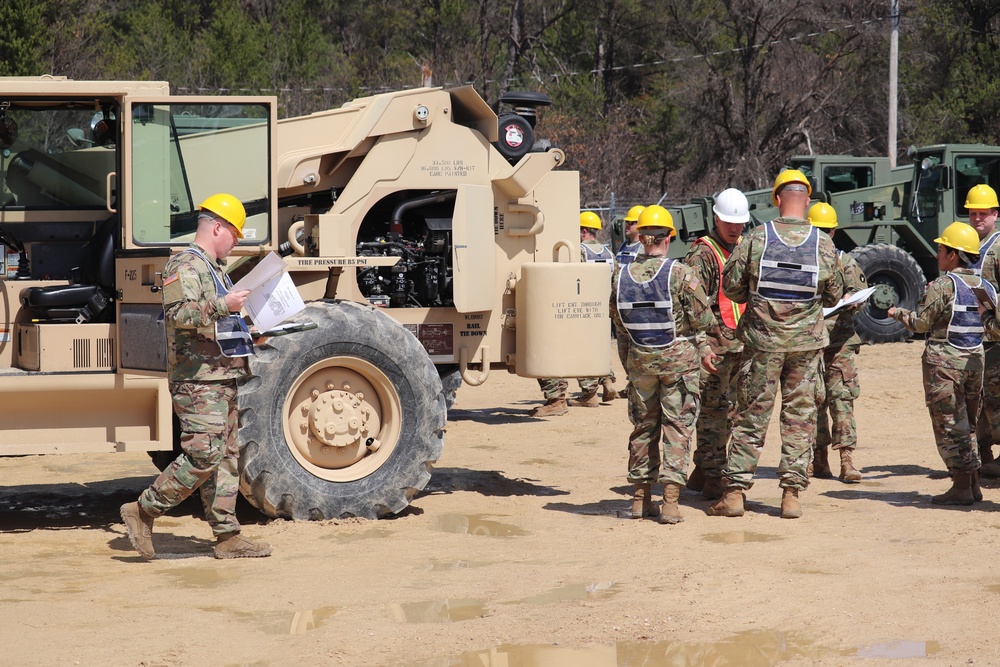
[183,153]
[56,154]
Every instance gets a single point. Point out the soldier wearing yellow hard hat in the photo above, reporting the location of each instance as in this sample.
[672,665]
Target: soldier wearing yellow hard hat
[785,270]
[660,306]
[627,252]
[949,313]
[981,203]
[207,346]
[631,246]
[840,369]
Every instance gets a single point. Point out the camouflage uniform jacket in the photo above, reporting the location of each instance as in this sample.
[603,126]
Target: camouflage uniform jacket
[782,326]
[991,274]
[840,325]
[191,306]
[702,259]
[932,316]
[692,316]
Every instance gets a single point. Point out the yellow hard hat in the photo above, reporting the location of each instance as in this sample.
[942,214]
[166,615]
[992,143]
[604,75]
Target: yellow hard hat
[822,215]
[960,236]
[981,196]
[657,216]
[590,219]
[786,177]
[633,213]
[227,207]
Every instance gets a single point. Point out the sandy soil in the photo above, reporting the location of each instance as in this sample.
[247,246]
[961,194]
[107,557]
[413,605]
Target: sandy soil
[515,555]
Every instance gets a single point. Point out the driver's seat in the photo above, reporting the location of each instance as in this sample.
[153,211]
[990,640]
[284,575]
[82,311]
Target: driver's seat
[91,298]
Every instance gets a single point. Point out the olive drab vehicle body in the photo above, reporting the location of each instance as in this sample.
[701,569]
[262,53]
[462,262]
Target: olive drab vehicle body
[432,242]
[887,218]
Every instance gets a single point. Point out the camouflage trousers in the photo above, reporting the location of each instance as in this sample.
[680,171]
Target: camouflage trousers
[665,408]
[210,455]
[952,397]
[718,399]
[988,426]
[557,387]
[757,387]
[840,387]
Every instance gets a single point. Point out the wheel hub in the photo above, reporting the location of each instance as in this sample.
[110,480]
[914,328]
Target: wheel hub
[334,427]
[884,297]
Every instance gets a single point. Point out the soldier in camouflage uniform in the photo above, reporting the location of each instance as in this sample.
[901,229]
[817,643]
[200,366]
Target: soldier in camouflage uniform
[785,271]
[660,305]
[840,371]
[949,314]
[554,389]
[707,256]
[627,252]
[981,202]
[208,343]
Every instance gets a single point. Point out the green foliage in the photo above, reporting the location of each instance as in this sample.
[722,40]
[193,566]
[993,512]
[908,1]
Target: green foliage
[23,37]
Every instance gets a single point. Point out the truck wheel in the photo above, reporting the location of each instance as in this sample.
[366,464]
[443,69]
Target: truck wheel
[902,283]
[342,420]
[451,382]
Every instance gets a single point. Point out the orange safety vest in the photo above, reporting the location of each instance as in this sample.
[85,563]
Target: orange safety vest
[731,312]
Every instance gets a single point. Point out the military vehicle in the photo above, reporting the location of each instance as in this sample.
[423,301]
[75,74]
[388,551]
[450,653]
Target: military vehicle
[431,240]
[888,218]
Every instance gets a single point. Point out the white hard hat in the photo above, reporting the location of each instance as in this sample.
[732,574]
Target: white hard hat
[731,206]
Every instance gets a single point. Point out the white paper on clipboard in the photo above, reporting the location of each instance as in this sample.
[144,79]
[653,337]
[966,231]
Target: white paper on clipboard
[273,296]
[857,297]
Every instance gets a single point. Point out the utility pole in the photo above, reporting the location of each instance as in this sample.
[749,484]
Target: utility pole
[893,79]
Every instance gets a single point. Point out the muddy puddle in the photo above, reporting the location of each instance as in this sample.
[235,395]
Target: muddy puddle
[476,524]
[749,649]
[438,611]
[740,537]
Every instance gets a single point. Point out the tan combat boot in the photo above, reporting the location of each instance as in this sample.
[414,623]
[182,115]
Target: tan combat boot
[848,472]
[552,408]
[642,502]
[234,545]
[713,488]
[991,470]
[731,503]
[139,527]
[821,463]
[790,507]
[669,511]
[588,400]
[960,492]
[696,480]
[609,394]
[977,492]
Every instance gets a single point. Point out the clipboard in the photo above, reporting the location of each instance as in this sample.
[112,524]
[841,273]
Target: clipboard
[984,297]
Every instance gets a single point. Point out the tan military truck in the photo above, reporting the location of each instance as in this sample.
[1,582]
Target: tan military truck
[432,241]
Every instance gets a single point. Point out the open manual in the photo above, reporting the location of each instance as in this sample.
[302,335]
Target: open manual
[273,297]
[857,297]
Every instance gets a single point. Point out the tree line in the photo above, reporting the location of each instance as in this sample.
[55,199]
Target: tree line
[683,97]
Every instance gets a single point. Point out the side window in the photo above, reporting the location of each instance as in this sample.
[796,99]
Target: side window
[184,152]
[973,170]
[841,179]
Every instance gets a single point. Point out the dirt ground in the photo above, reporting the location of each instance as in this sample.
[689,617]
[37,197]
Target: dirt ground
[515,556]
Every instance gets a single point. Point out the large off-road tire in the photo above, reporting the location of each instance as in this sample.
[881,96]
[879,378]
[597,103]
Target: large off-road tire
[342,420]
[902,284]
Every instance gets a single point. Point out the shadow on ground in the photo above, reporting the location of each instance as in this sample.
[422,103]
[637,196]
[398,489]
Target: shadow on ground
[486,483]
[89,505]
